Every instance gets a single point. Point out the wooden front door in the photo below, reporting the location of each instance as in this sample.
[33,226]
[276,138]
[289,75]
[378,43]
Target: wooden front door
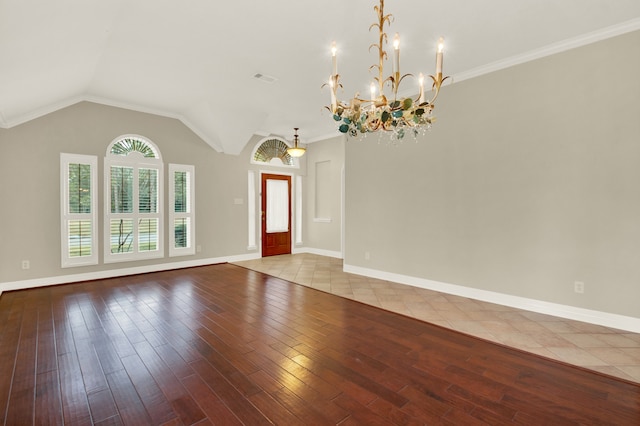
[276,214]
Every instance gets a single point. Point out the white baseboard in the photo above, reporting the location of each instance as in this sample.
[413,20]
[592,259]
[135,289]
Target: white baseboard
[319,252]
[112,273]
[606,319]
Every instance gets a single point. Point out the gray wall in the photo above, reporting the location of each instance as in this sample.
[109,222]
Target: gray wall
[30,189]
[324,235]
[528,182]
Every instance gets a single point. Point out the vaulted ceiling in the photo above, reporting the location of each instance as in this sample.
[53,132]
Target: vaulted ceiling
[195,60]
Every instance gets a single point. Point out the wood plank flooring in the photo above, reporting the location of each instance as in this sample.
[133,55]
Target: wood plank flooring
[225,345]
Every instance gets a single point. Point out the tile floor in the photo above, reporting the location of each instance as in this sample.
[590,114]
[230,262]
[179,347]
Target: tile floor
[603,349]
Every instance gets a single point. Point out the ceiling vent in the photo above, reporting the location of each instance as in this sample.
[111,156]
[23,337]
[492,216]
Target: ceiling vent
[265,78]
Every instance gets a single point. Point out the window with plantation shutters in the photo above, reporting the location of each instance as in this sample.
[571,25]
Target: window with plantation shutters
[181,210]
[133,200]
[78,210]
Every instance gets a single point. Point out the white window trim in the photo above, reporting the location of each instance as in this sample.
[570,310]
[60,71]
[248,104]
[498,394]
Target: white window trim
[136,161]
[251,206]
[191,248]
[66,216]
[298,201]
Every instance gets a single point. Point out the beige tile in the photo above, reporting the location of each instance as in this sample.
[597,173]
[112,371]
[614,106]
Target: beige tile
[482,315]
[585,340]
[633,353]
[385,291]
[389,298]
[418,305]
[444,306]
[397,307]
[498,327]
[542,352]
[632,371]
[577,356]
[633,336]
[559,326]
[613,356]
[369,300]
[512,316]
[592,328]
[600,348]
[289,276]
[611,371]
[364,292]
[425,315]
[517,340]
[619,340]
[470,306]
[304,280]
[535,316]
[344,293]
[358,285]
[528,326]
[454,315]
[549,339]
[485,336]
[339,285]
[442,323]
[469,327]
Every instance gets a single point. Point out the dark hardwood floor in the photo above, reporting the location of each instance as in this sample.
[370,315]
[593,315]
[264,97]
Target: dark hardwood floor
[226,345]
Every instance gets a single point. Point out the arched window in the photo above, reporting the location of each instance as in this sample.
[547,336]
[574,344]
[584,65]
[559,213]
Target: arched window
[273,151]
[133,200]
[129,144]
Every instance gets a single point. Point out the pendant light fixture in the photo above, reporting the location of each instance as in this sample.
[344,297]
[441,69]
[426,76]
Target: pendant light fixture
[295,150]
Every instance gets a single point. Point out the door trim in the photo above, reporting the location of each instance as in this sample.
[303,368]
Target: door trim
[258,209]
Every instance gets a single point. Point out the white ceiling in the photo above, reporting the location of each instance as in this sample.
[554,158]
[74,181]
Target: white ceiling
[195,60]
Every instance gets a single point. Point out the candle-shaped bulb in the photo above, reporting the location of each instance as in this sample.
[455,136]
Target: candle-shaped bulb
[334,58]
[372,88]
[439,56]
[396,54]
[334,102]
[421,80]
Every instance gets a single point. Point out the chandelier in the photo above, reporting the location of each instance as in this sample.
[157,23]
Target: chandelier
[378,113]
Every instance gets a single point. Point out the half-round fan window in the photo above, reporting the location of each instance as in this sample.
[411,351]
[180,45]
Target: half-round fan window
[127,145]
[272,149]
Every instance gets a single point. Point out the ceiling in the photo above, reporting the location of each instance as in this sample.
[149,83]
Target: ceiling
[195,60]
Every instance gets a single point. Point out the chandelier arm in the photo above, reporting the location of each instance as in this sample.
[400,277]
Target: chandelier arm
[395,83]
[437,83]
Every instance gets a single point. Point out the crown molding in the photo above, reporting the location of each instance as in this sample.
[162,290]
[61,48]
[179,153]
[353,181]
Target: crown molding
[568,44]
[40,112]
[551,49]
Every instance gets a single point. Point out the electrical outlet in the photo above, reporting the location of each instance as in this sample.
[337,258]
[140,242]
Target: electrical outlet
[26,264]
[366,255]
[578,287]
[198,248]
